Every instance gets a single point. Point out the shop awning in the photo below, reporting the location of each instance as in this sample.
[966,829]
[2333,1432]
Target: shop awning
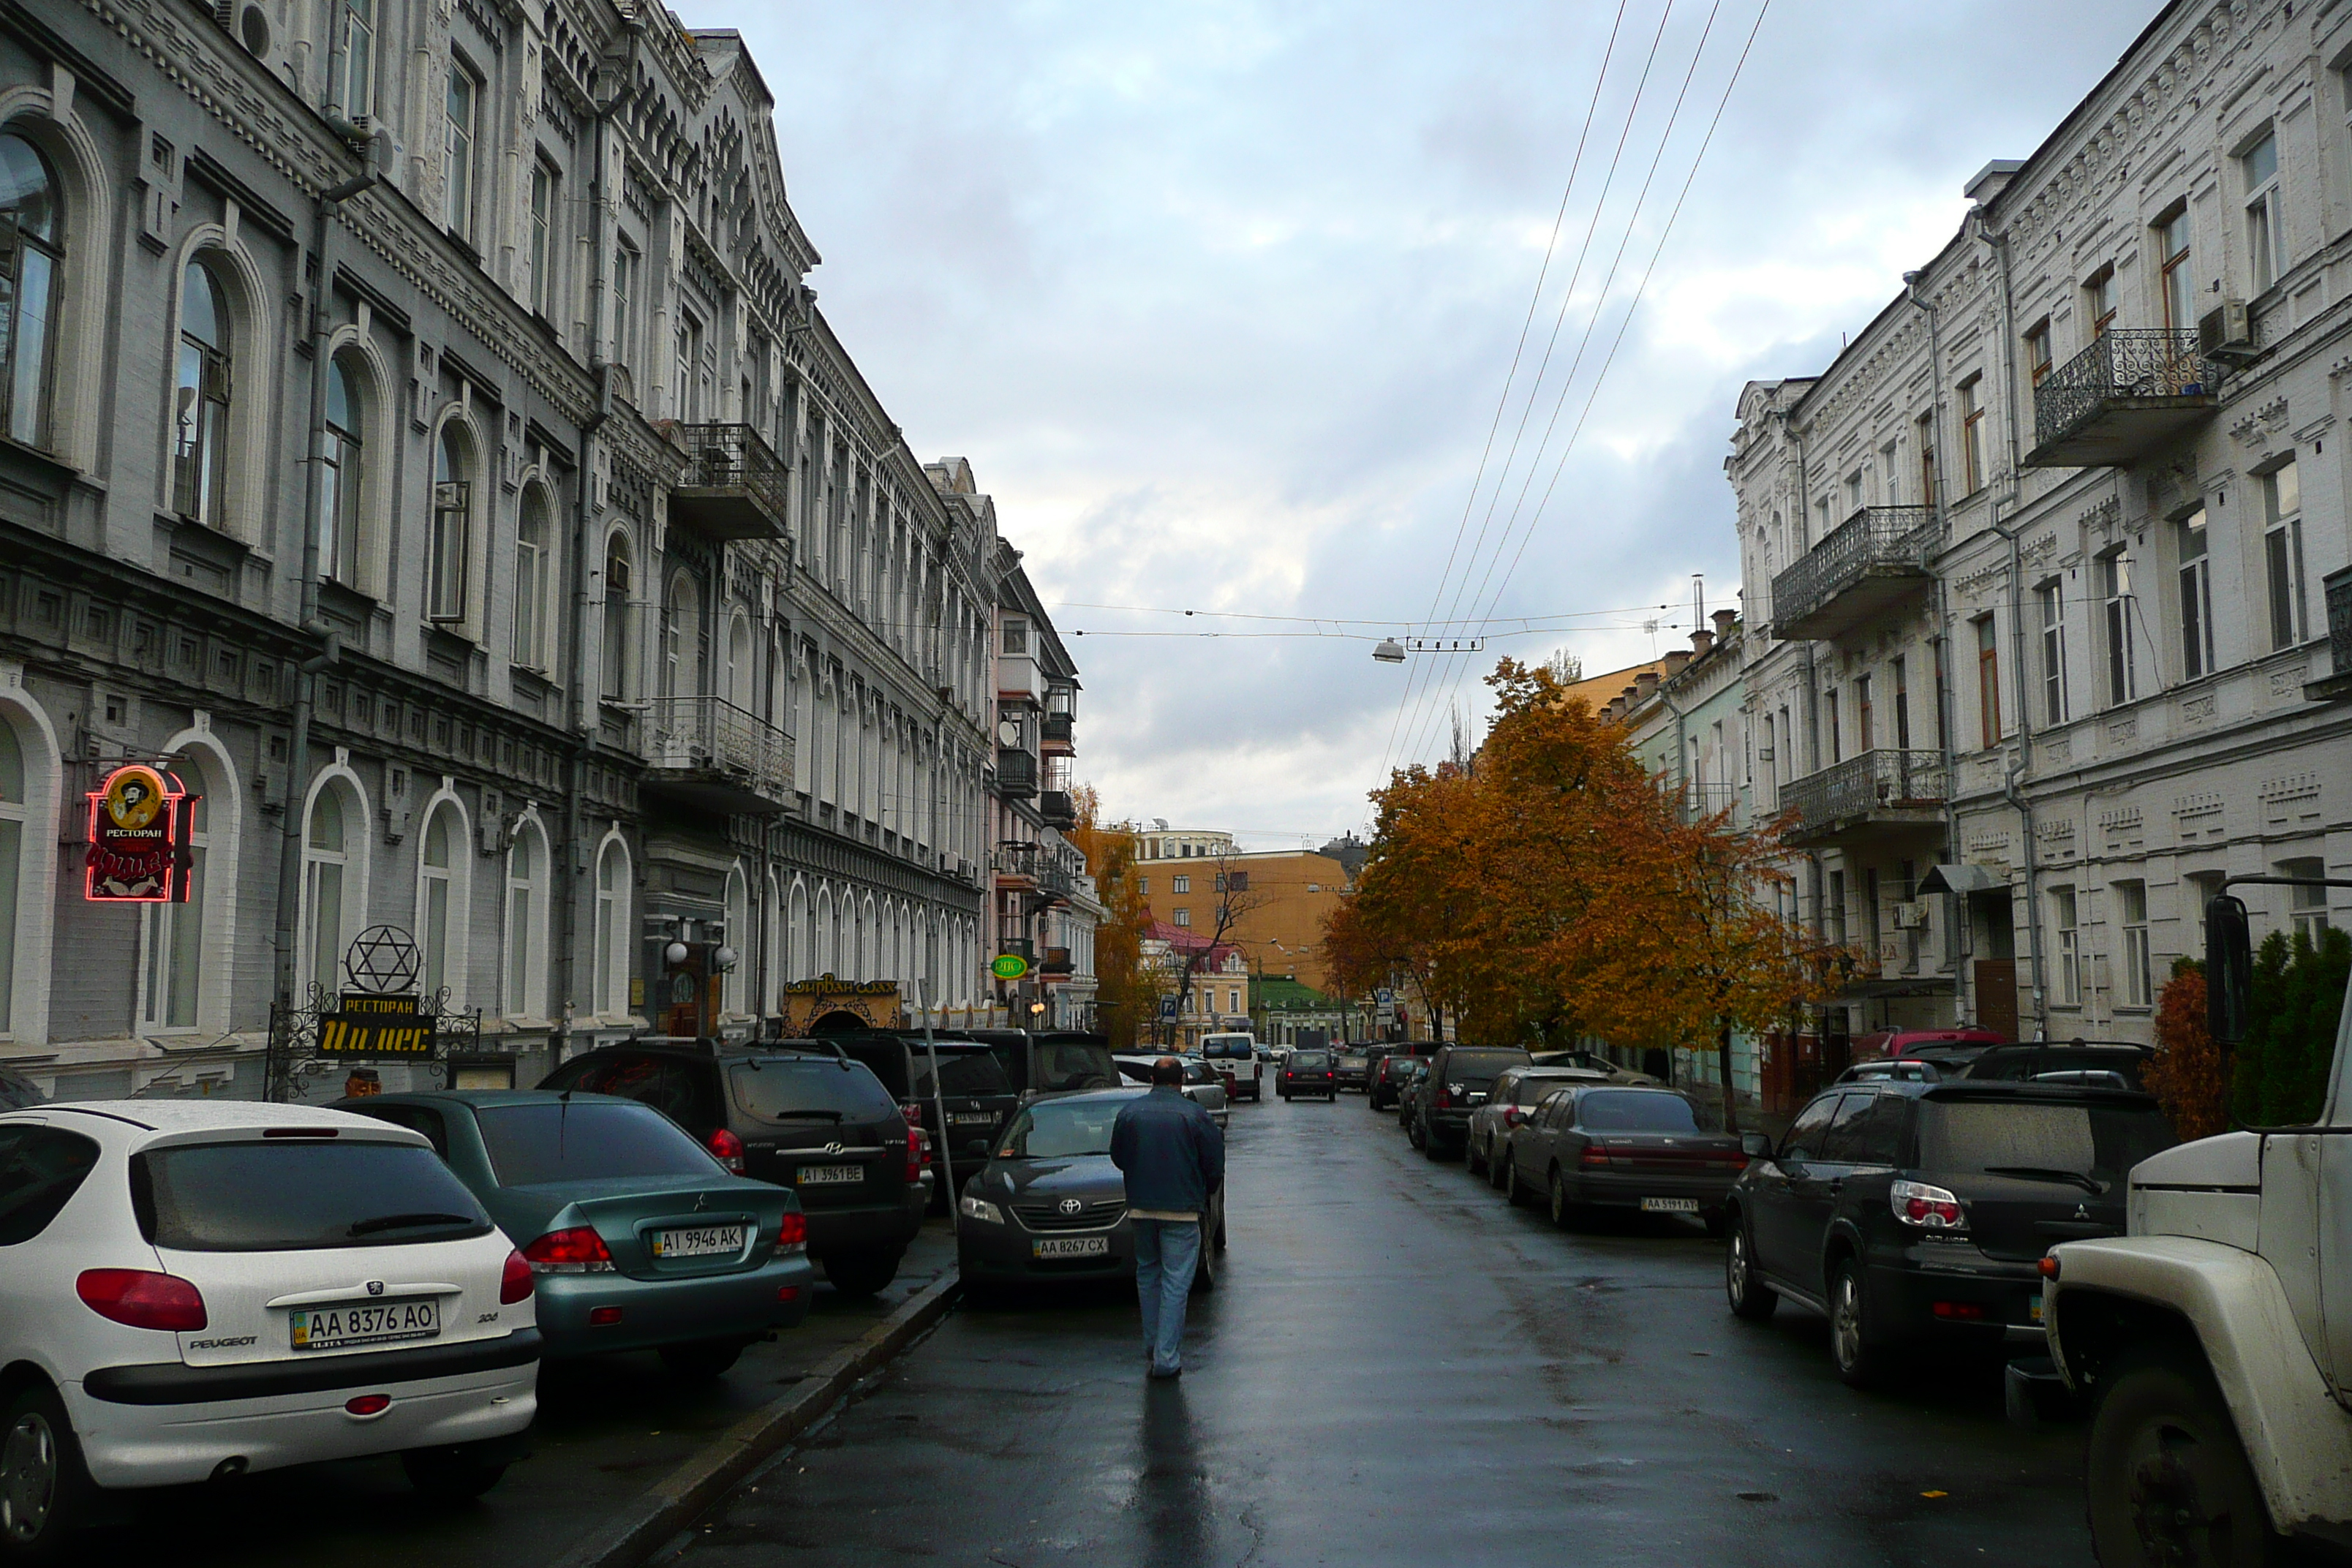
[1963,879]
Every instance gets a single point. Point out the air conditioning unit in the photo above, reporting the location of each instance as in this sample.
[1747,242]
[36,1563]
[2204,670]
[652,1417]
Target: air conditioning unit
[1911,915]
[2226,332]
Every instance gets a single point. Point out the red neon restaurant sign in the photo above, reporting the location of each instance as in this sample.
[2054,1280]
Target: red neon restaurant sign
[139,822]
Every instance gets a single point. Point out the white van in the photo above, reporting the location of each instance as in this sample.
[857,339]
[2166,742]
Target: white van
[1234,1056]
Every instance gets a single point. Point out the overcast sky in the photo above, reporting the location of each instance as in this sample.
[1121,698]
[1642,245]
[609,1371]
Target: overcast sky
[1220,301]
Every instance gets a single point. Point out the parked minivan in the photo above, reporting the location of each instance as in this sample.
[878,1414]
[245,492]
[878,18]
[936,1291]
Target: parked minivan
[1234,1056]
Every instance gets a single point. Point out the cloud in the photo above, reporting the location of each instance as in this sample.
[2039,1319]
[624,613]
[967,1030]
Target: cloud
[1219,301]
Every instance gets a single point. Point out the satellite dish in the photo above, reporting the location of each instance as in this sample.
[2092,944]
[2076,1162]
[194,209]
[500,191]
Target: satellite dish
[1008,733]
[1388,650]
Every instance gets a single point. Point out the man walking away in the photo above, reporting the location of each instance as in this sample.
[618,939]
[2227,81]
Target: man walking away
[1173,1158]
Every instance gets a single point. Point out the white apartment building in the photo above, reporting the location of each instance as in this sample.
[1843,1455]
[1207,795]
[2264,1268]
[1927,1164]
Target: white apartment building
[2043,565]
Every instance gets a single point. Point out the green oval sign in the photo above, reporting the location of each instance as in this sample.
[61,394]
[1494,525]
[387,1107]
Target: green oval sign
[1009,966]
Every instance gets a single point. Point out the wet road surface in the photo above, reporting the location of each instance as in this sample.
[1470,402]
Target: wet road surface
[1397,1367]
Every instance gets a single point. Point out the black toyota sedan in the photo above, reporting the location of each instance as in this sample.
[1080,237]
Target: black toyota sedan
[1049,1206]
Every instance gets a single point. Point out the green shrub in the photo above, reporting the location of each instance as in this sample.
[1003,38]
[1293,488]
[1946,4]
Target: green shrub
[2281,1074]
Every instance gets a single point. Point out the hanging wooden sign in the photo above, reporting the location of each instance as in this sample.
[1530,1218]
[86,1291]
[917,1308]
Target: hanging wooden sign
[141,822]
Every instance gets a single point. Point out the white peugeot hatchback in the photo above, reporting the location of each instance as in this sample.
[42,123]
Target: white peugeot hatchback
[191,1289]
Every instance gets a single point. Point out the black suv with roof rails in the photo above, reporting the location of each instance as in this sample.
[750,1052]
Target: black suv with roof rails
[1050,1061]
[1901,1209]
[1459,1076]
[974,1088]
[797,1113]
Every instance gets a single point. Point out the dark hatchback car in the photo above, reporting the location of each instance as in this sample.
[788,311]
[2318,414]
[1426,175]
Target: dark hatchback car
[1901,1210]
[1049,1207]
[1311,1072]
[813,1120]
[1459,1076]
[1610,1146]
[1385,1078]
[637,1238]
[973,1086]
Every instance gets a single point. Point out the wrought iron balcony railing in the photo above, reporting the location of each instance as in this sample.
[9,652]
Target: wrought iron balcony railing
[1863,788]
[729,758]
[2128,392]
[1874,557]
[1057,808]
[1056,727]
[1017,774]
[734,486]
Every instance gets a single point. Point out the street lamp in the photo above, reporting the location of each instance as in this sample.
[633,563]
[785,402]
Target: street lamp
[1388,650]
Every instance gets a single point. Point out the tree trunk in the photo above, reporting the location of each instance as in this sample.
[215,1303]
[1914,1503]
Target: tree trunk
[1723,1060]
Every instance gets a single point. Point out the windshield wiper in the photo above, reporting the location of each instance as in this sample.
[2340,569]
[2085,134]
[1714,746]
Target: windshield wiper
[2049,1173]
[806,1115]
[406,1221]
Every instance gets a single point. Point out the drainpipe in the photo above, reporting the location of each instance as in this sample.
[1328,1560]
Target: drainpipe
[1956,908]
[330,647]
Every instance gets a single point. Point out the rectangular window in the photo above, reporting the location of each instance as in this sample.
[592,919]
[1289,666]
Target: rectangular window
[1837,746]
[1972,434]
[1898,677]
[1183,917]
[1988,683]
[2177,284]
[2131,909]
[625,278]
[1833,917]
[1928,495]
[2265,241]
[2282,554]
[542,225]
[175,954]
[2195,578]
[2099,299]
[1016,638]
[458,151]
[1180,885]
[1943,708]
[1866,727]
[1853,492]
[689,355]
[2306,907]
[2069,951]
[2037,349]
[2054,653]
[2114,591]
[448,546]
[359,58]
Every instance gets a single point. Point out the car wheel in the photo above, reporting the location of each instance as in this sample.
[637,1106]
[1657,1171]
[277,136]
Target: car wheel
[2168,1479]
[1220,1243]
[702,1360]
[1413,1134]
[1750,1297]
[1853,1337]
[1431,1148]
[1204,1276]
[449,1475]
[1561,1209]
[861,1273]
[1511,1193]
[45,1494]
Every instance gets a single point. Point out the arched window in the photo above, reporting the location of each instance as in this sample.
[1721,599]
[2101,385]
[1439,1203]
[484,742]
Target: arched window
[440,907]
[339,479]
[796,950]
[531,580]
[616,618]
[681,638]
[31,215]
[326,862]
[611,930]
[200,453]
[739,666]
[449,544]
[732,987]
[176,959]
[526,962]
[827,960]
[13,817]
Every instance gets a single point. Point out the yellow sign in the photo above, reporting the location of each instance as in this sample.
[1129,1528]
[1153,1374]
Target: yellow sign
[867,1004]
[370,1025]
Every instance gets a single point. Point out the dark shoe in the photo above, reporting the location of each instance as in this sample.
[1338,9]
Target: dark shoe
[1169,1376]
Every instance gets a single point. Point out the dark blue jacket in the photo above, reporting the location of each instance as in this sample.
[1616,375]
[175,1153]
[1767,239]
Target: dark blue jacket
[1171,1154]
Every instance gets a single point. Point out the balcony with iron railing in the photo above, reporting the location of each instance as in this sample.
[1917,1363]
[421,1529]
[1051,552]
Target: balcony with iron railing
[1057,807]
[733,485]
[1017,774]
[1700,801]
[2337,682]
[1872,791]
[707,753]
[1053,729]
[1861,569]
[2129,394]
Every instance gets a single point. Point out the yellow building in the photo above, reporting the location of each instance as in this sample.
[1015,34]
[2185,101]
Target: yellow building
[1283,896]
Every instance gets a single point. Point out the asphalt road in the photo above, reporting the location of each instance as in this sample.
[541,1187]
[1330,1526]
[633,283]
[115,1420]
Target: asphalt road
[1398,1368]
[608,1429]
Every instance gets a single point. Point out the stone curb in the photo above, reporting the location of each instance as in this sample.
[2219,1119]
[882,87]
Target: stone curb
[671,1505]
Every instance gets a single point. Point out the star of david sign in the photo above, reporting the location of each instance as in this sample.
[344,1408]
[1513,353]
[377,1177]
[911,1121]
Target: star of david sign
[381,959]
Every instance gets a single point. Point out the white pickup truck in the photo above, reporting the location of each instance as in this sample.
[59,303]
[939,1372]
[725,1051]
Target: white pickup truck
[2213,1340]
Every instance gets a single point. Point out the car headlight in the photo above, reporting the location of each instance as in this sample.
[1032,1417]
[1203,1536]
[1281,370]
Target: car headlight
[980,1209]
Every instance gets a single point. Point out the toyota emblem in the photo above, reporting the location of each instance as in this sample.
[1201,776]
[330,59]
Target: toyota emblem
[375,1287]
[1071,1205]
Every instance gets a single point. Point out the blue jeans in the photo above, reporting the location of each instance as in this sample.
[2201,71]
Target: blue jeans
[1166,1253]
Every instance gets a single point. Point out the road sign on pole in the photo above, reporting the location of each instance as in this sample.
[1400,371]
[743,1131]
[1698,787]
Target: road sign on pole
[1168,1009]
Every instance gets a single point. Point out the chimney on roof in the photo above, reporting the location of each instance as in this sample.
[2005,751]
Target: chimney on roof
[1676,659]
[1992,179]
[1644,682]
[1724,621]
[1701,640]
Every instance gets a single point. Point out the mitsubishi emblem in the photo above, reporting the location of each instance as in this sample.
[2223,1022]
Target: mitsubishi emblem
[375,1287]
[1071,1205]
[701,1202]
[2082,1211]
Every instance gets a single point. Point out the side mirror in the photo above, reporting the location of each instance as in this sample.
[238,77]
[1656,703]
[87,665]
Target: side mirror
[2229,970]
[1756,1146]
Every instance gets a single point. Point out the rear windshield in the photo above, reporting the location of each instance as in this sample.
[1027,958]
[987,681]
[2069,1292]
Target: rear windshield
[1228,1045]
[285,1196]
[1311,1061]
[1530,1089]
[587,1141]
[1062,1129]
[1994,1135]
[1630,1111]
[1480,1067]
[1074,1064]
[811,1088]
[961,1072]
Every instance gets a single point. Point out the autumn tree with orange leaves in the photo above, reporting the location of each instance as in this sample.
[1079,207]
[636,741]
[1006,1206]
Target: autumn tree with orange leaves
[1127,991]
[1552,890]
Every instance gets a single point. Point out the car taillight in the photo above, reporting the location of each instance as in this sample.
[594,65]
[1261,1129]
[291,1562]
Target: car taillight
[141,1300]
[1438,1100]
[1593,1157]
[1511,1116]
[728,1150]
[917,1155]
[514,1280]
[792,1234]
[578,1251]
[1930,1208]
